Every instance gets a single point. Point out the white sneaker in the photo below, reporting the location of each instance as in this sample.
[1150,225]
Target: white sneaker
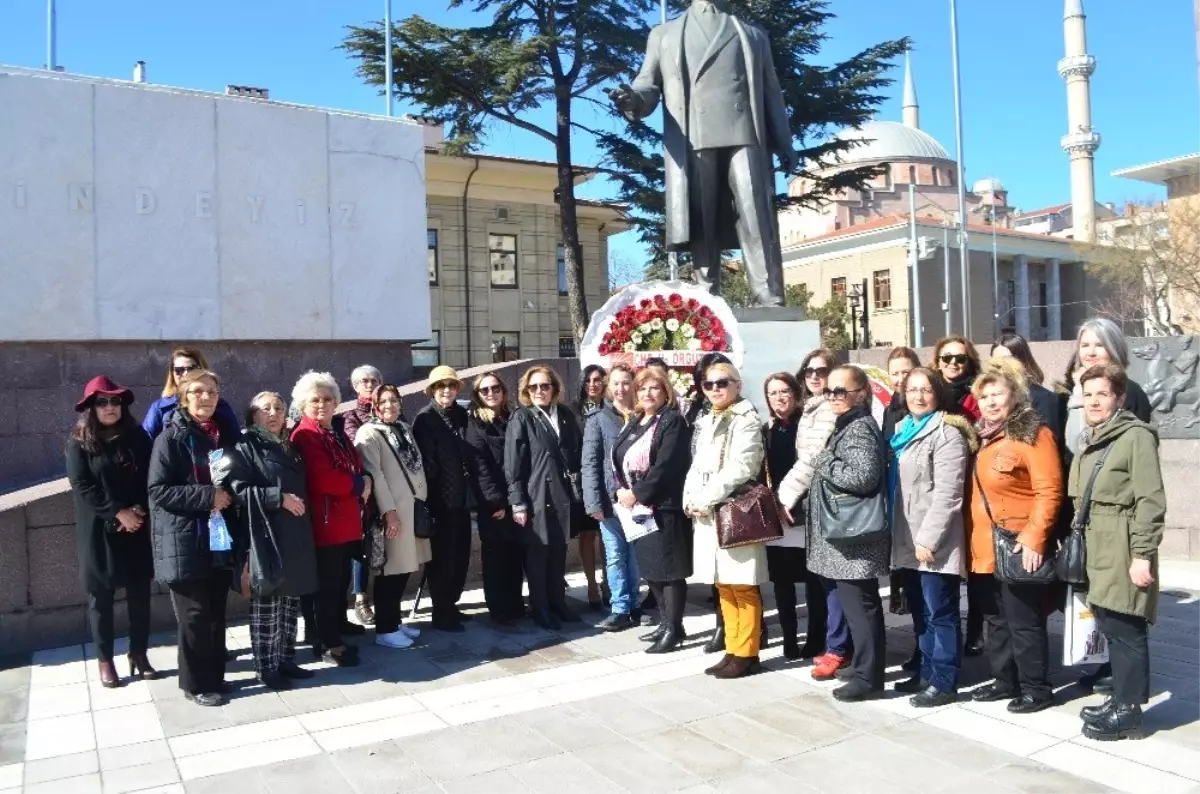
[410,632]
[395,639]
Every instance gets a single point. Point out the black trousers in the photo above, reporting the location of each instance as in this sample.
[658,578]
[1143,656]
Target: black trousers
[788,567]
[200,614]
[672,598]
[333,582]
[503,560]
[451,547]
[546,567]
[389,591]
[864,612]
[1018,647]
[100,618]
[1129,654]
[980,598]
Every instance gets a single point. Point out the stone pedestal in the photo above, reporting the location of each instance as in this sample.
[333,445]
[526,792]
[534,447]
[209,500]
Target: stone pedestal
[776,339]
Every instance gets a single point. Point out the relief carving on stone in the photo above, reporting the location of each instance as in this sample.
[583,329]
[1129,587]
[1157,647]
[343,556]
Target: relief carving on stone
[1166,368]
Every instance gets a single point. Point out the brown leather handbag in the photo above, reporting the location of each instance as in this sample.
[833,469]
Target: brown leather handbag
[752,516]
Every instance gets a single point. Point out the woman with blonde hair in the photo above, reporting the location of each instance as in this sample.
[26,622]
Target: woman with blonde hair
[183,361]
[543,446]
[649,462]
[728,458]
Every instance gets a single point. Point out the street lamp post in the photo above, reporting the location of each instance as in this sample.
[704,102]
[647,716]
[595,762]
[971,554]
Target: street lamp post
[387,52]
[51,36]
[963,247]
[853,297]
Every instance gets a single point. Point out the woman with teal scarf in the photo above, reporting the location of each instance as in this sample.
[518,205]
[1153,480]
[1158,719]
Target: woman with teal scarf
[929,455]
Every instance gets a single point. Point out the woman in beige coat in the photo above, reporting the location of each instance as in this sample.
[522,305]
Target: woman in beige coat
[728,457]
[390,455]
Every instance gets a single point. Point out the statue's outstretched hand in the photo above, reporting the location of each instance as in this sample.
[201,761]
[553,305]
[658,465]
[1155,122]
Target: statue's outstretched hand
[626,100]
[789,161]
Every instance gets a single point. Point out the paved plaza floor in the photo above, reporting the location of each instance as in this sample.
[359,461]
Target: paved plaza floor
[578,710]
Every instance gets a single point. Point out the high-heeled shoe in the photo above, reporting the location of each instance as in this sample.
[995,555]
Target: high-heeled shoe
[669,641]
[717,643]
[108,674]
[140,667]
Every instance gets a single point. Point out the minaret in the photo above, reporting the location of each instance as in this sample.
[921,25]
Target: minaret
[912,113]
[1080,142]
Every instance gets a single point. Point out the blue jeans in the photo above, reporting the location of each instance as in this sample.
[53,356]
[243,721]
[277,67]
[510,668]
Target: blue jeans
[837,630]
[621,564]
[935,597]
[358,577]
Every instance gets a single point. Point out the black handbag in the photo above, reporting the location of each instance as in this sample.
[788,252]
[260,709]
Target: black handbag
[423,526]
[1070,564]
[1008,562]
[847,519]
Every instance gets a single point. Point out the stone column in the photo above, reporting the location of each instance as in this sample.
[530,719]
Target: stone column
[1021,312]
[1054,299]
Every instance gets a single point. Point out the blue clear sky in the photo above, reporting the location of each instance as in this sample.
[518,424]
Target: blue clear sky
[1145,98]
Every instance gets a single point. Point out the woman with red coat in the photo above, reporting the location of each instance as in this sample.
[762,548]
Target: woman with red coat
[337,488]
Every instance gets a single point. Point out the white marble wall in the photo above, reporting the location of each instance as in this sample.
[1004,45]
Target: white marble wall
[141,212]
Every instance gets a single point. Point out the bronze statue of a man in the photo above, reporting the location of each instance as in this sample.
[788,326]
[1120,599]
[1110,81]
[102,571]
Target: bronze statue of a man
[724,118]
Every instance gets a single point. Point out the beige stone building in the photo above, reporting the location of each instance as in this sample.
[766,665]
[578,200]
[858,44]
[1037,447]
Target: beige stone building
[515,305]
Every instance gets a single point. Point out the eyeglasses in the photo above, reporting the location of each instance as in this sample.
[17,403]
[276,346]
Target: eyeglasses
[181,371]
[320,400]
[774,395]
[954,358]
[540,387]
[923,391]
[839,394]
[107,402]
[365,381]
[714,385]
[816,372]
[203,392]
[497,389]
[446,384]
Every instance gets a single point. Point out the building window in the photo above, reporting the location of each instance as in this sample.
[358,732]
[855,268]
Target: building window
[883,289]
[428,354]
[432,245]
[937,182]
[506,346]
[1043,301]
[566,346]
[837,286]
[502,250]
[562,271]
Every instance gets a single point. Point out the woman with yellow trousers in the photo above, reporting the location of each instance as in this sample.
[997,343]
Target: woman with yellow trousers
[728,457]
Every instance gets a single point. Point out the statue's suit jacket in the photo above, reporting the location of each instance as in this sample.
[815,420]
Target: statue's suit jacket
[666,75]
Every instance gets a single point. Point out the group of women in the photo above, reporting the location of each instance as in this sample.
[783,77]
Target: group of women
[972,460]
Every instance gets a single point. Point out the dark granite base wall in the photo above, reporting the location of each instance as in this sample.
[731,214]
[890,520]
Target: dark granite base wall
[40,383]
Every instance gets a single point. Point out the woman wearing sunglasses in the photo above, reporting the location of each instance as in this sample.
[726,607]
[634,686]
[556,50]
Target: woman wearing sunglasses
[108,461]
[183,361]
[542,450]
[728,458]
[853,462]
[957,361]
[501,551]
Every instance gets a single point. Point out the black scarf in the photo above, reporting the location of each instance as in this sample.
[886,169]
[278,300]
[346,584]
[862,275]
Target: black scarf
[843,421]
[959,390]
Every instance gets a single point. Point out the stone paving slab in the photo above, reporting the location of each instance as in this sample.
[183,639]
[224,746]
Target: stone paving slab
[578,710]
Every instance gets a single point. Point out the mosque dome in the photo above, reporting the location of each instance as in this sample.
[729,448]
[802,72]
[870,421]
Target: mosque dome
[886,141]
[988,184]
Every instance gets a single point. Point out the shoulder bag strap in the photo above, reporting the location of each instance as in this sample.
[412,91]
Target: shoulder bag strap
[1085,506]
[400,463]
[982,493]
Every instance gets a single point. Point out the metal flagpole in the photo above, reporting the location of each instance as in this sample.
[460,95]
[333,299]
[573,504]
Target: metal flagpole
[963,248]
[946,274]
[387,51]
[995,276]
[51,36]
[914,260]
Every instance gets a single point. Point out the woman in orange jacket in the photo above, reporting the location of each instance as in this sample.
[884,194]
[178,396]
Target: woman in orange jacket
[1020,473]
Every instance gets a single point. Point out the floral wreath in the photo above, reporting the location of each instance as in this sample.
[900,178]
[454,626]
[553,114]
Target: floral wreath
[664,322]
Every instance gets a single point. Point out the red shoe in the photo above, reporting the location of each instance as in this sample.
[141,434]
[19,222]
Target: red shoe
[824,667]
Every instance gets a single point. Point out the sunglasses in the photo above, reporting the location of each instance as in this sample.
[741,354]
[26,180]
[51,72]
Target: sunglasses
[446,384]
[181,371]
[108,402]
[839,394]
[954,358]
[490,389]
[713,385]
[816,372]
[540,387]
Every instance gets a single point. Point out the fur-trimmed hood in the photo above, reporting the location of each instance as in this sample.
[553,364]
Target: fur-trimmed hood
[1021,425]
[962,425]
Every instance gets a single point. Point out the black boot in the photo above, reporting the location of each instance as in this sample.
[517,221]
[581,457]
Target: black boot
[717,643]
[1122,721]
[669,641]
[1094,713]
[653,636]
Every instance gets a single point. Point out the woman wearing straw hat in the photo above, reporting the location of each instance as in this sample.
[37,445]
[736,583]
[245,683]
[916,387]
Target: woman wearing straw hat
[440,430]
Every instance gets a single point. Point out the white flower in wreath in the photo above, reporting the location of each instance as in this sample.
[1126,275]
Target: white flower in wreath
[672,325]
[644,328]
[656,324]
[629,347]
[637,337]
[689,331]
[693,344]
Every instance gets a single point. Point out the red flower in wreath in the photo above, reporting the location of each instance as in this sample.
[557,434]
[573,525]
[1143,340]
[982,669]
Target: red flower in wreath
[675,299]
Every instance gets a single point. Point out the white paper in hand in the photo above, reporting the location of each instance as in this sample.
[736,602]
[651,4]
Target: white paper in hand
[637,524]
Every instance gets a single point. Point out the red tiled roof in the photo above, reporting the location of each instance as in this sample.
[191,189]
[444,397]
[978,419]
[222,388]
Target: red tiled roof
[1043,211]
[887,221]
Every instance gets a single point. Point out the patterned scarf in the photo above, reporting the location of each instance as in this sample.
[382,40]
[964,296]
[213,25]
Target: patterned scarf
[400,439]
[636,462]
[338,450]
[989,429]
[266,435]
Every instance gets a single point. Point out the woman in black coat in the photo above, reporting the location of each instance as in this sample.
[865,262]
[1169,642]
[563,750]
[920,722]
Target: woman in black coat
[650,474]
[108,459]
[501,551]
[267,477]
[183,505]
[542,455]
[440,432]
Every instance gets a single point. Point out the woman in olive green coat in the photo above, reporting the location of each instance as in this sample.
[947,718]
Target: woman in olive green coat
[1127,508]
